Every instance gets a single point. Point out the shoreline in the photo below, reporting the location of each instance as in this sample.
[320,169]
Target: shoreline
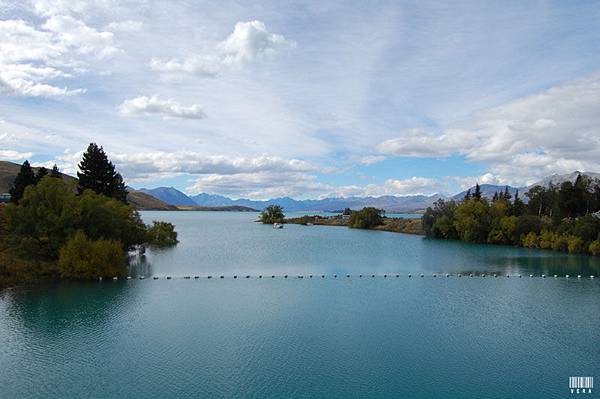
[393,225]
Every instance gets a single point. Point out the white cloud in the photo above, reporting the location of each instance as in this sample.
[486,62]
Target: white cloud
[30,58]
[125,26]
[555,131]
[14,155]
[372,159]
[166,108]
[75,34]
[204,66]
[249,41]
[399,187]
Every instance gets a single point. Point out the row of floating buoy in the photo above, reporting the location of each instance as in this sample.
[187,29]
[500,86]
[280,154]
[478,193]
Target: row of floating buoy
[300,276]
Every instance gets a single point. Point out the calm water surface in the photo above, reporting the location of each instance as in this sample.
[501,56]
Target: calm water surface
[306,338]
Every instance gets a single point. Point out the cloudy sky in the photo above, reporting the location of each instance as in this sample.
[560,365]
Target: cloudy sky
[304,98]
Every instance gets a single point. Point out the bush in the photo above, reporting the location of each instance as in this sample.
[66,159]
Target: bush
[594,247]
[546,239]
[531,240]
[574,244]
[366,218]
[560,242]
[84,259]
[272,214]
[161,234]
[472,221]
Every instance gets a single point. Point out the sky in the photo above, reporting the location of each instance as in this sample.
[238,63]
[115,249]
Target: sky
[307,99]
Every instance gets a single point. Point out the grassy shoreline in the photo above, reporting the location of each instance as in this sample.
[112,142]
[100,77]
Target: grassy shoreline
[394,225]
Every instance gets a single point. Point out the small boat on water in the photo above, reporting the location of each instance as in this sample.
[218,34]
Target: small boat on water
[277,225]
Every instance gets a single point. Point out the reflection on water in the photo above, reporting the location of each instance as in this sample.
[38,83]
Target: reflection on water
[232,243]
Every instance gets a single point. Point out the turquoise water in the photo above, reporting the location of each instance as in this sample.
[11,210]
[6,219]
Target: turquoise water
[305,338]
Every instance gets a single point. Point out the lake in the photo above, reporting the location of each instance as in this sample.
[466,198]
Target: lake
[376,337]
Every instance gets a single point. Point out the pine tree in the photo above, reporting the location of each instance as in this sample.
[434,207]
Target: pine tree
[55,172]
[468,195]
[24,178]
[477,193]
[41,173]
[507,195]
[98,174]
[518,206]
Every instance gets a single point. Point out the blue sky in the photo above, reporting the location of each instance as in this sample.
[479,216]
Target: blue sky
[304,99]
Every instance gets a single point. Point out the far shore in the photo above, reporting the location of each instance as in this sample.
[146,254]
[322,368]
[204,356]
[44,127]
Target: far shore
[394,225]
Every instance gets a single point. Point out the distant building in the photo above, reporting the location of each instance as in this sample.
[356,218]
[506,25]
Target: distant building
[596,214]
[4,197]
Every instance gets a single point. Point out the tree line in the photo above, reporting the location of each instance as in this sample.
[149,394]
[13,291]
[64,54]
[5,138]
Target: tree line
[75,229]
[559,217]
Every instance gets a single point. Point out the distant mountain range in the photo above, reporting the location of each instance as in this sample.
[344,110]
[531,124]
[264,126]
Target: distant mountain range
[390,203]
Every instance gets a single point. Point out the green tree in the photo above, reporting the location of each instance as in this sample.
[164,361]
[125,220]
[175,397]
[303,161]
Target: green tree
[97,173]
[161,234]
[24,178]
[472,221]
[55,172]
[477,193]
[85,259]
[366,218]
[518,207]
[272,214]
[41,173]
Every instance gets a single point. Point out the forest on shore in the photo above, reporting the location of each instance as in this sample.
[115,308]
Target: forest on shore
[73,229]
[558,217]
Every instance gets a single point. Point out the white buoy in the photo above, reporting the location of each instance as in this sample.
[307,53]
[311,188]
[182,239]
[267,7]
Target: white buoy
[459,275]
[508,276]
[434,275]
[495,275]
[579,276]
[520,276]
[247,276]
[300,276]
[99,278]
[543,276]
[471,275]
[410,275]
[286,276]
[360,275]
[208,277]
[310,276]
[447,275]
[115,278]
[272,276]
[372,275]
[483,275]
[335,276]
[142,277]
[322,276]
[422,275]
[592,277]
[128,277]
[260,276]
[168,277]
[556,276]
[234,276]
[155,277]
[221,276]
[567,276]
[531,275]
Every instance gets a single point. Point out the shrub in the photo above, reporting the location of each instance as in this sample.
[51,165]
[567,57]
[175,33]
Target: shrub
[546,239]
[560,242]
[531,240]
[161,234]
[594,247]
[272,214]
[366,218]
[84,259]
[574,244]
